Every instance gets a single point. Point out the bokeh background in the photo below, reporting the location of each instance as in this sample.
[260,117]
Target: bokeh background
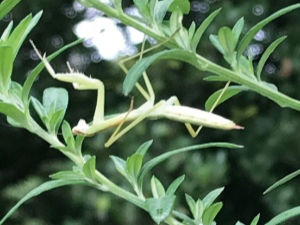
[271,137]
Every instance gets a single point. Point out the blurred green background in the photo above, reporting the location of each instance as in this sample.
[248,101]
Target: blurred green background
[271,137]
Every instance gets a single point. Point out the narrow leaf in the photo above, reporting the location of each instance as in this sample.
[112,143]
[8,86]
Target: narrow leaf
[36,71]
[211,197]
[215,78]
[6,6]
[211,212]
[155,161]
[215,42]
[157,188]
[191,30]
[226,39]
[174,185]
[140,66]
[230,92]
[253,31]
[199,208]
[283,181]
[6,65]
[237,29]
[67,134]
[142,150]
[12,111]
[191,203]
[47,186]
[202,28]
[7,31]
[39,108]
[183,5]
[284,216]
[267,54]
[90,167]
[66,175]
[120,165]
[255,220]
[134,165]
[160,10]
[160,208]
[19,34]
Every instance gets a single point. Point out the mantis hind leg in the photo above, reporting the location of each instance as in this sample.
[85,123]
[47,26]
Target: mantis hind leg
[195,133]
[118,134]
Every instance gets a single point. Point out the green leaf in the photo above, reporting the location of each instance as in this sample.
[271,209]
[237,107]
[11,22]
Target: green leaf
[211,197]
[142,150]
[55,99]
[160,10]
[215,78]
[239,223]
[89,168]
[202,28]
[199,209]
[183,5]
[230,92]
[284,216]
[215,42]
[19,34]
[6,66]
[160,208]
[174,185]
[191,203]
[67,134]
[237,29]
[267,54]
[253,31]
[283,181]
[120,165]
[6,6]
[13,112]
[7,31]
[142,6]
[157,188]
[155,161]
[55,120]
[36,71]
[78,143]
[140,66]
[47,186]
[226,40]
[40,109]
[66,175]
[191,30]
[134,165]
[255,220]
[211,212]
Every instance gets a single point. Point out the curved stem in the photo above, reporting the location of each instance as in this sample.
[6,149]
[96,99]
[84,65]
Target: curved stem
[113,188]
[201,62]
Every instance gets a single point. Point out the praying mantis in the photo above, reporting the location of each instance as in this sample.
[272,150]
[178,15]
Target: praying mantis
[169,109]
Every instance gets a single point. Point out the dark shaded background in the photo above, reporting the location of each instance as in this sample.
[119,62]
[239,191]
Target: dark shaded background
[271,137]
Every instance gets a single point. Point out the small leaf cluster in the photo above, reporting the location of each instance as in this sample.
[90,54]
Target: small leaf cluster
[160,205]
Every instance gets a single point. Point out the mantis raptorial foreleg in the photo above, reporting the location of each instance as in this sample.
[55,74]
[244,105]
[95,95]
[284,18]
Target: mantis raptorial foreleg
[80,82]
[214,105]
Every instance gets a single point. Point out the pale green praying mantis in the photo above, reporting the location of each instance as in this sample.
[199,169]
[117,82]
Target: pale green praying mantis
[170,108]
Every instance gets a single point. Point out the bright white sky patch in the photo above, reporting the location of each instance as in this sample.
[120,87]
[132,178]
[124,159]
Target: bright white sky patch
[104,34]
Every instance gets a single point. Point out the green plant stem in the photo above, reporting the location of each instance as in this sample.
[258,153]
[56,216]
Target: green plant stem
[35,128]
[202,63]
[116,190]
[109,11]
[52,139]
